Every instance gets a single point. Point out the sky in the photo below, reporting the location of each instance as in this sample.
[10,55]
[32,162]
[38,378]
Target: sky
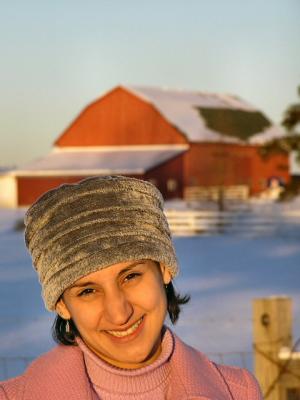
[57,56]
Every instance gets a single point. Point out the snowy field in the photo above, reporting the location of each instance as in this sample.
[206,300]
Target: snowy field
[222,273]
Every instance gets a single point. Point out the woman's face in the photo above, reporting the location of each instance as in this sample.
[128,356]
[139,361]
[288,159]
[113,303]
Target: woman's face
[119,311]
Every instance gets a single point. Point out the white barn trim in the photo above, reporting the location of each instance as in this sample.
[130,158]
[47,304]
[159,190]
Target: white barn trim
[8,191]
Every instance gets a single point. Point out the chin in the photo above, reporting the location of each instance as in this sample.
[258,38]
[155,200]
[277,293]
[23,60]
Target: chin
[137,357]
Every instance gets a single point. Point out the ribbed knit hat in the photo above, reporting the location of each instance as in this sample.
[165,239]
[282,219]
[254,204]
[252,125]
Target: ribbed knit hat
[77,229]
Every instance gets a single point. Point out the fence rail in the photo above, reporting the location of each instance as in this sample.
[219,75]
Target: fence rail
[196,193]
[196,222]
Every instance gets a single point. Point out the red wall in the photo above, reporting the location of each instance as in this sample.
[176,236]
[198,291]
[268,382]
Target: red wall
[172,169]
[31,188]
[120,118]
[210,164]
[204,164]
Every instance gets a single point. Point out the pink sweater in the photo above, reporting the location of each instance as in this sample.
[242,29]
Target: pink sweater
[181,372]
[148,383]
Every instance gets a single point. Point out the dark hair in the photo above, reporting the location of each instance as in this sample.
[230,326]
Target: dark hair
[65,336]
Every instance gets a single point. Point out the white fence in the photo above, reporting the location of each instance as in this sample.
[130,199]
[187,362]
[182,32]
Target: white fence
[198,193]
[248,221]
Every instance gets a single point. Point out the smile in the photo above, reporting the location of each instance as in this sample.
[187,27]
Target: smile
[129,331]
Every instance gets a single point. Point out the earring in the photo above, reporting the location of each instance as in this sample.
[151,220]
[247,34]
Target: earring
[68,330]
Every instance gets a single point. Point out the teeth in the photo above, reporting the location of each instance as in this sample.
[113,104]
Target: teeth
[129,330]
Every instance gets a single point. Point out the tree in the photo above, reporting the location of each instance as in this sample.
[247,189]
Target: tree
[290,142]
[291,120]
[287,144]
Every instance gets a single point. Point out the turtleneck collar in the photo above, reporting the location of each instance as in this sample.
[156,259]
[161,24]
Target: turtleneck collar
[108,378]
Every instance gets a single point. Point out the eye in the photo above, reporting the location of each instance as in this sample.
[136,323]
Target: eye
[132,276]
[86,292]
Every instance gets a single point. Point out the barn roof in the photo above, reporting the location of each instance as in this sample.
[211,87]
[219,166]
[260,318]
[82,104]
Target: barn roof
[210,117]
[135,160]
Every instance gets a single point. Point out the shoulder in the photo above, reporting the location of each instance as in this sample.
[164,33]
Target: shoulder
[202,377]
[13,388]
[241,383]
[10,388]
[59,355]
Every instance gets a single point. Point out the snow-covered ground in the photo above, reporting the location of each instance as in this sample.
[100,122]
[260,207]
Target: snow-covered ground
[222,273]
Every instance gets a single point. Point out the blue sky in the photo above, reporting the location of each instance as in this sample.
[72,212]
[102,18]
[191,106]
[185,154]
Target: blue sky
[59,55]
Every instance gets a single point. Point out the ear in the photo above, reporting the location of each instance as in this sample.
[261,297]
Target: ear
[167,277]
[62,309]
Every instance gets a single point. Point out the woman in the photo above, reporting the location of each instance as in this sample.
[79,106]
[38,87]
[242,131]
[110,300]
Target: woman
[105,260]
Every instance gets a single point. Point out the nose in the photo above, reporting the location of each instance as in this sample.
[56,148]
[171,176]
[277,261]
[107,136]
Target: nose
[118,308]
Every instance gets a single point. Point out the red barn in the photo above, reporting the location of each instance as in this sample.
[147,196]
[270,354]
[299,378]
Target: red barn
[183,141]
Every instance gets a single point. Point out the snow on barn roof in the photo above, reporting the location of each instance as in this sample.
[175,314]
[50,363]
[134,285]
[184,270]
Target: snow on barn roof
[210,117]
[105,160]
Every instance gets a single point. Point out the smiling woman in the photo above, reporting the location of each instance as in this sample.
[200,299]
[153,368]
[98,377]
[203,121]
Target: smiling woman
[105,259]
[120,311]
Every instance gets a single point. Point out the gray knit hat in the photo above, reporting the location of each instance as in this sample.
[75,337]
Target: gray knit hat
[77,229]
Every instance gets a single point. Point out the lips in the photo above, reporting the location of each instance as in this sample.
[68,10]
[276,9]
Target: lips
[124,333]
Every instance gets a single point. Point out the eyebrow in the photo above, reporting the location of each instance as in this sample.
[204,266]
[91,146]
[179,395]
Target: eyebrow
[124,270]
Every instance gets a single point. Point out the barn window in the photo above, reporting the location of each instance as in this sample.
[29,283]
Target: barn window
[172,185]
[282,167]
[193,181]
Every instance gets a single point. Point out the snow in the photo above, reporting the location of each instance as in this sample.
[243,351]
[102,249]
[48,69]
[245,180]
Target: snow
[223,274]
[103,161]
[270,133]
[179,107]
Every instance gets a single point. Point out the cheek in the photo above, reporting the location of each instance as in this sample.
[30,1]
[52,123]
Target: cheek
[85,317]
[153,299]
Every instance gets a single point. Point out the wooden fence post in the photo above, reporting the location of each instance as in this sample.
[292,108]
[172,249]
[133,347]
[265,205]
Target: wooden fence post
[272,321]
